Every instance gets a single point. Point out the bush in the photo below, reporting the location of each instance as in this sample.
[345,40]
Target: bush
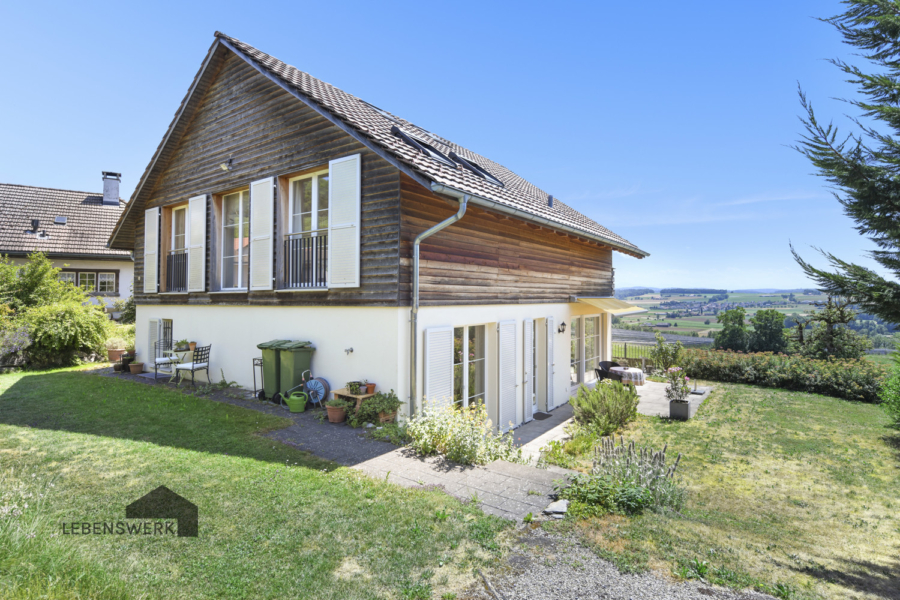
[606,408]
[666,355]
[890,395]
[624,480]
[849,379]
[463,435]
[371,407]
[60,330]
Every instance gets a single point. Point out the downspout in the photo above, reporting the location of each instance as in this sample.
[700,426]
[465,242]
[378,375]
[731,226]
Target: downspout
[414,309]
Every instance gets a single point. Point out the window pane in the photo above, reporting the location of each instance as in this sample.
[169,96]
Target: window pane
[67,277]
[304,195]
[88,281]
[575,352]
[458,360]
[476,360]
[591,348]
[178,231]
[323,203]
[107,282]
[232,209]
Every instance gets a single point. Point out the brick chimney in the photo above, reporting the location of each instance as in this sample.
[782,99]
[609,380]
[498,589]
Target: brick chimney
[111,188]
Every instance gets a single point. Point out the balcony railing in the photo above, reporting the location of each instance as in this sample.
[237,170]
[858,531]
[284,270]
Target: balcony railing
[176,271]
[305,260]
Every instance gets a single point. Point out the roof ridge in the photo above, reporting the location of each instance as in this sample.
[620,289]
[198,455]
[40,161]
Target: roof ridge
[40,187]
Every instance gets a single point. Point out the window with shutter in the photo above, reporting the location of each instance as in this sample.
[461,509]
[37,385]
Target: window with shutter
[507,374]
[344,191]
[262,211]
[151,250]
[152,338]
[438,366]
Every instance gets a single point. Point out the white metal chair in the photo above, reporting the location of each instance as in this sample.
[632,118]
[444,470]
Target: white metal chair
[161,358]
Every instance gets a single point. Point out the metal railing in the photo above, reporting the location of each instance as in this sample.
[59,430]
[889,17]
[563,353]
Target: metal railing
[633,355]
[177,271]
[305,260]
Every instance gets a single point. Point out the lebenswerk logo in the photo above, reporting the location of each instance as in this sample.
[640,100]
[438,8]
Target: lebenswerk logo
[180,518]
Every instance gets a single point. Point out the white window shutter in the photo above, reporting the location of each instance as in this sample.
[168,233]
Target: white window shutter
[439,366]
[196,236]
[151,250]
[152,337]
[507,374]
[528,375]
[344,190]
[551,362]
[262,221]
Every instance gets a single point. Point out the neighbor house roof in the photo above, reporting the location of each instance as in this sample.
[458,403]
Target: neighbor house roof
[88,223]
[389,136]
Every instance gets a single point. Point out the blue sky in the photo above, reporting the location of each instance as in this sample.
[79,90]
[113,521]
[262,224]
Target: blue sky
[667,122]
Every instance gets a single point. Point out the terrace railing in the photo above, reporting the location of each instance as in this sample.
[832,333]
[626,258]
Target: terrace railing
[176,271]
[306,260]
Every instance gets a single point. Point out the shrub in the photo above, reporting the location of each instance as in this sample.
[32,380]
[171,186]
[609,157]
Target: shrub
[60,330]
[605,408]
[625,480]
[665,355]
[849,379]
[371,407]
[14,339]
[678,388]
[890,395]
[463,435]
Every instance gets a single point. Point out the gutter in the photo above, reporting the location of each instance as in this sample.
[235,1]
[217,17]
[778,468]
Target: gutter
[414,309]
[527,216]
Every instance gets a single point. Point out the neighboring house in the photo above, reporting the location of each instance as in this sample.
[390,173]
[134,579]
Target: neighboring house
[280,207]
[72,229]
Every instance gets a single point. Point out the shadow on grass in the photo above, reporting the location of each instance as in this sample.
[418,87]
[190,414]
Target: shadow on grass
[879,580]
[83,403]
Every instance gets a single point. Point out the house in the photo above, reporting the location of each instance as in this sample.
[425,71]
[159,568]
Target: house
[72,229]
[280,207]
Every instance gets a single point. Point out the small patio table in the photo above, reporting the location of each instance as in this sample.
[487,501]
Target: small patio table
[631,375]
[178,357]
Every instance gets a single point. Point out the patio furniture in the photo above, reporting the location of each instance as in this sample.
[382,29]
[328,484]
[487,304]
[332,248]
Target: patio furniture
[161,356]
[631,375]
[603,370]
[346,395]
[199,362]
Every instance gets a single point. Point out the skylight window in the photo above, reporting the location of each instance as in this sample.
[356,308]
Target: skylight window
[423,147]
[382,112]
[60,220]
[475,168]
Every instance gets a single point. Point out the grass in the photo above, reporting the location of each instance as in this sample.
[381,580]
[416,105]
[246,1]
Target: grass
[275,522]
[881,359]
[791,493]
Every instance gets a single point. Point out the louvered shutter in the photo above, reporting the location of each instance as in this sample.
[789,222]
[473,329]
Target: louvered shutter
[196,236]
[439,366]
[551,362]
[153,335]
[151,250]
[527,371]
[344,187]
[262,213]
[507,374]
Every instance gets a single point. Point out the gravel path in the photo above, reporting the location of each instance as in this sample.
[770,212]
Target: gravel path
[546,567]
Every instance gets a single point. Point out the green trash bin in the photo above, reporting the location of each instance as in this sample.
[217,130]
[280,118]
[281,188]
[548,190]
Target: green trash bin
[296,358]
[271,366]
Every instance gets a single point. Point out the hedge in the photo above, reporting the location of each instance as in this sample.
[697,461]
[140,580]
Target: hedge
[849,379]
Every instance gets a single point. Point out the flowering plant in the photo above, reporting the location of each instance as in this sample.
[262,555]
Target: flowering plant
[678,389]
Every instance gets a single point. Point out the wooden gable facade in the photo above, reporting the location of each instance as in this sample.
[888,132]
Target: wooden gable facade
[244,120]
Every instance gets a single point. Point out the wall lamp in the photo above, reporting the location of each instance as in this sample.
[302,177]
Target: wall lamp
[561,328]
[226,166]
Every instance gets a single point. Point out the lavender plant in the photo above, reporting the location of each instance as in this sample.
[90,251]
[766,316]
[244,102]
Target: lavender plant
[12,342]
[642,468]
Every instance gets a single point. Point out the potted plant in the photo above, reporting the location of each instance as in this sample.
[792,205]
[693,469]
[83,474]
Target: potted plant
[297,402]
[115,348]
[127,358]
[182,346]
[192,346]
[678,392]
[370,387]
[337,410]
[354,387]
[386,405]
[136,368]
[117,366]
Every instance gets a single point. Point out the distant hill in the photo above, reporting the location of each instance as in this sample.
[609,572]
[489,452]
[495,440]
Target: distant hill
[772,291]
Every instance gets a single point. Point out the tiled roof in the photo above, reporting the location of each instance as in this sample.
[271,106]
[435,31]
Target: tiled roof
[88,223]
[376,125]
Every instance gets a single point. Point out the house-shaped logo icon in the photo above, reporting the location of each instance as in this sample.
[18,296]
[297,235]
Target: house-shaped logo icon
[163,503]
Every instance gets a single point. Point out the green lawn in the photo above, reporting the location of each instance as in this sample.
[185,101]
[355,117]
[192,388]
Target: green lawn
[275,522]
[785,489]
[881,359]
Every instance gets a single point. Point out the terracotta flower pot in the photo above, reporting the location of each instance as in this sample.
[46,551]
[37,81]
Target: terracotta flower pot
[136,368]
[370,388]
[387,417]
[115,355]
[192,346]
[336,415]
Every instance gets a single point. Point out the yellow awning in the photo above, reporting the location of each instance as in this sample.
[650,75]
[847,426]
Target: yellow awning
[613,306]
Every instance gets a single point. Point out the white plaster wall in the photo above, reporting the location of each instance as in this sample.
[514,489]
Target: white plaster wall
[377,336]
[125,268]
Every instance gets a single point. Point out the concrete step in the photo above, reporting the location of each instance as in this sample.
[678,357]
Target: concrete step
[527,472]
